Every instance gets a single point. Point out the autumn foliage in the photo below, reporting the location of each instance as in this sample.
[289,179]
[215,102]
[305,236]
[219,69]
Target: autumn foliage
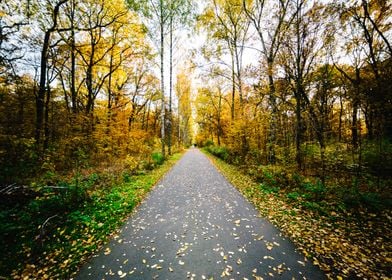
[80,120]
[295,93]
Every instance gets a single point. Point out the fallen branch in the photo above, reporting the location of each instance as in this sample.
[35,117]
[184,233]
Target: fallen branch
[55,187]
[9,189]
[42,227]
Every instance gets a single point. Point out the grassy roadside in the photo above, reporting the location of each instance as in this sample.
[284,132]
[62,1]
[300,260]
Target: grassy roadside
[343,243]
[53,238]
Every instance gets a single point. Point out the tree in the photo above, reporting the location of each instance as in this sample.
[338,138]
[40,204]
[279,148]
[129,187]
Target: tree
[183,91]
[369,19]
[14,16]
[158,13]
[271,23]
[302,47]
[40,98]
[226,21]
[99,18]
[180,14]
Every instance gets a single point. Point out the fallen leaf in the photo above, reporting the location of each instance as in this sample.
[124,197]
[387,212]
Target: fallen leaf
[121,274]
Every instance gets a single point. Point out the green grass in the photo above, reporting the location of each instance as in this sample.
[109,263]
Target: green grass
[51,235]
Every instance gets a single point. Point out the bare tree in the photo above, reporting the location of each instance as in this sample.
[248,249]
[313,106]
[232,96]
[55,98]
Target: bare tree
[40,98]
[271,23]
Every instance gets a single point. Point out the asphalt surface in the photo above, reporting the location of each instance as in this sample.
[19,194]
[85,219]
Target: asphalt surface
[196,225]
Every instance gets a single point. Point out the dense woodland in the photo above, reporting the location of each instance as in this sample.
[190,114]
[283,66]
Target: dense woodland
[297,93]
[317,103]
[78,87]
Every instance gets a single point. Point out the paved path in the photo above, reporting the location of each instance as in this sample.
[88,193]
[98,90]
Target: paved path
[195,225]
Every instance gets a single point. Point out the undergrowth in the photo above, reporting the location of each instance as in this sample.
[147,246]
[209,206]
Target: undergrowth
[50,234]
[345,231]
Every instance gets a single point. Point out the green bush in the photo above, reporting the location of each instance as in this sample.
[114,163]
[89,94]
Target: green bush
[273,176]
[371,200]
[314,206]
[157,158]
[293,195]
[218,151]
[127,177]
[316,190]
[208,143]
[269,189]
[376,153]
[18,159]
[296,180]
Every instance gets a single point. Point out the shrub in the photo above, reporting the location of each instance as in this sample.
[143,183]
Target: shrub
[157,158]
[296,179]
[269,189]
[220,152]
[375,153]
[208,143]
[131,163]
[371,200]
[314,206]
[273,176]
[316,190]
[127,177]
[293,195]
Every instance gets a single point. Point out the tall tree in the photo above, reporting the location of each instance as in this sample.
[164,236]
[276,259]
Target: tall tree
[40,98]
[302,47]
[226,21]
[179,18]
[370,18]
[271,23]
[99,17]
[183,91]
[157,12]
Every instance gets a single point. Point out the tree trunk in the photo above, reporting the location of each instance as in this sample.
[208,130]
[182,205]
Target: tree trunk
[162,80]
[298,138]
[73,63]
[354,127]
[110,95]
[340,119]
[40,98]
[272,126]
[299,129]
[46,122]
[89,82]
[169,133]
[219,119]
[232,88]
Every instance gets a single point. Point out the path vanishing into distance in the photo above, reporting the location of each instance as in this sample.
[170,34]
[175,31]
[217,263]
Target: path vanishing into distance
[196,225]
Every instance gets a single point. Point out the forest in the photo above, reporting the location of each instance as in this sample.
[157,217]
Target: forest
[97,96]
